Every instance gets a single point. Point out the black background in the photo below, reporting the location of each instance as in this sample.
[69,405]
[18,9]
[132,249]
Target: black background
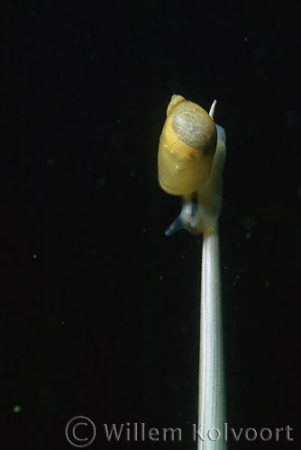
[99,310]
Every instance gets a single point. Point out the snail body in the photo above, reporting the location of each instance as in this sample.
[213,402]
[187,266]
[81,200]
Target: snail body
[190,162]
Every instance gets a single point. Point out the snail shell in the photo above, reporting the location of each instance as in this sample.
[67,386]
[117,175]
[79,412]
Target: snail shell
[187,150]
[187,146]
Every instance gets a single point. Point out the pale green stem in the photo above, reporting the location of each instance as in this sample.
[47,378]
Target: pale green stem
[211,410]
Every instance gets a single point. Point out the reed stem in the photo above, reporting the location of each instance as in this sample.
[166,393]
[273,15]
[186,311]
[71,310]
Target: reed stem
[211,409]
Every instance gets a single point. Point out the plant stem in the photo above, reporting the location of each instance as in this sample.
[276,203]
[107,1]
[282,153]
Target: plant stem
[211,410]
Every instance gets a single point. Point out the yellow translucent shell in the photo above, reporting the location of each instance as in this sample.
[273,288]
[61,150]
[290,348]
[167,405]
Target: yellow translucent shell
[186,148]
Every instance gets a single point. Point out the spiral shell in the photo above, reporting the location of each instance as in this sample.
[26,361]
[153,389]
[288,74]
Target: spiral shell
[186,149]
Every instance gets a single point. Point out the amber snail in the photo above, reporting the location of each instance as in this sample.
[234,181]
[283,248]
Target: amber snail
[191,157]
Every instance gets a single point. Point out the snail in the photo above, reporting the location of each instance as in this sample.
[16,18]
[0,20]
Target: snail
[191,157]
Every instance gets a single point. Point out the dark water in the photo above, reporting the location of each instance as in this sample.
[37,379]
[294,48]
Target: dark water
[99,310]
